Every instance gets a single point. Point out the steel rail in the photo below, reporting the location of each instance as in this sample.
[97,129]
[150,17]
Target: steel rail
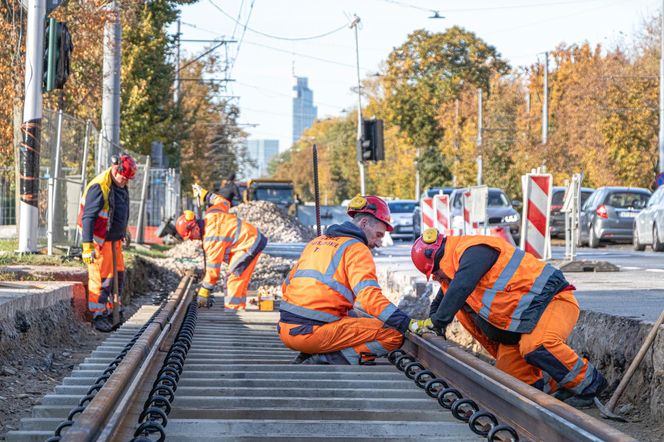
[92,422]
[534,414]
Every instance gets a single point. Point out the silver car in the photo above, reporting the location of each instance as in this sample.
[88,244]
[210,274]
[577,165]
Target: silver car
[609,213]
[401,212]
[649,224]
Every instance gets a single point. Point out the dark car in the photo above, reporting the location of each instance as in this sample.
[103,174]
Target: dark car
[500,212]
[401,212]
[608,215]
[557,222]
[429,193]
[649,224]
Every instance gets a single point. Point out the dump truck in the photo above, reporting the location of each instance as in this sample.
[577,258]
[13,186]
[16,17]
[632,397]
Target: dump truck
[279,192]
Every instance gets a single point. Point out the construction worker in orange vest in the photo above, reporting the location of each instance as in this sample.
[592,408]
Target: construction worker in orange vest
[103,217]
[334,272]
[226,238]
[520,309]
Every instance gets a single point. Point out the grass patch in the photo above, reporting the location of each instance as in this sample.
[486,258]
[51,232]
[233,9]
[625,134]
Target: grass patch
[8,256]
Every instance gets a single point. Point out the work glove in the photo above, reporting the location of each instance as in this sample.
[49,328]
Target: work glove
[199,193]
[89,254]
[204,298]
[421,326]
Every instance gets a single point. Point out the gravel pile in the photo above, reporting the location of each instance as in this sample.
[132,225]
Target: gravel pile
[273,222]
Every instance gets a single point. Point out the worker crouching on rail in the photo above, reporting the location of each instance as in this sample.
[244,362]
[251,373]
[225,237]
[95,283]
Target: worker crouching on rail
[103,216]
[520,309]
[335,271]
[226,238]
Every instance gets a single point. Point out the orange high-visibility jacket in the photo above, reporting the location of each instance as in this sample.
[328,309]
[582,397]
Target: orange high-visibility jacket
[226,238]
[332,274]
[513,294]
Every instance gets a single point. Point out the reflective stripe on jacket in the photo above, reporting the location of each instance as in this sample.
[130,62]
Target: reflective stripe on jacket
[100,227]
[226,238]
[513,294]
[332,274]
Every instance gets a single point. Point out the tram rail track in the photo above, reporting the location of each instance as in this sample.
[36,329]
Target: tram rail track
[235,382]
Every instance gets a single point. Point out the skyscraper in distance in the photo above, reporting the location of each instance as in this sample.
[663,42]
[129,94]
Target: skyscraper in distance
[304,111]
[261,152]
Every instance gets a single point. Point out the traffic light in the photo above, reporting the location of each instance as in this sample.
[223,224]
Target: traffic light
[57,55]
[371,147]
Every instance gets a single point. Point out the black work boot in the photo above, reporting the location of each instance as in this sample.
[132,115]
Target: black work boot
[102,323]
[582,401]
[316,360]
[301,358]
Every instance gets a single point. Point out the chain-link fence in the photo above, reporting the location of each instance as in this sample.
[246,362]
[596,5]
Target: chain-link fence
[67,163]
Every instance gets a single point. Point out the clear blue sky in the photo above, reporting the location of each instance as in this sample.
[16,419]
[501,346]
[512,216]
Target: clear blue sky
[263,67]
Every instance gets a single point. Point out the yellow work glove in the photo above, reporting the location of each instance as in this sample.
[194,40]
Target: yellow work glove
[199,193]
[204,298]
[89,254]
[420,326]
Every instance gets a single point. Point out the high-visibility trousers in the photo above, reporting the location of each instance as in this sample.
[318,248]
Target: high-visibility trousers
[237,285]
[346,341]
[100,278]
[543,359]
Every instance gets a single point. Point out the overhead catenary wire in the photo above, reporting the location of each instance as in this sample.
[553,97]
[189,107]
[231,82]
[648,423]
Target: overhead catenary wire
[278,37]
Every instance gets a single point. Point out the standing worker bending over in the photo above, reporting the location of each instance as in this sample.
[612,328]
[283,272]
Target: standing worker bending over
[335,271]
[103,217]
[226,238]
[520,309]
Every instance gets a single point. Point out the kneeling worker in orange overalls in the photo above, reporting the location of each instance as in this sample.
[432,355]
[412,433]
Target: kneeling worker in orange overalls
[226,238]
[335,271]
[520,309]
[103,217]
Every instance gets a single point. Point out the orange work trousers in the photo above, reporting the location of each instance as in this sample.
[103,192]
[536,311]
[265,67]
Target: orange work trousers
[100,278]
[237,285]
[343,341]
[543,359]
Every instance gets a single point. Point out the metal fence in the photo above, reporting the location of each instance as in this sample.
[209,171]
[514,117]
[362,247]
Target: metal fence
[67,163]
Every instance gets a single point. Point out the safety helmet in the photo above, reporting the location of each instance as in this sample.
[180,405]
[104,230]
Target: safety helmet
[186,225]
[424,250]
[126,166]
[372,205]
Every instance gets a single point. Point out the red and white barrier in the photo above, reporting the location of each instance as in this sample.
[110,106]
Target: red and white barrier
[535,236]
[441,207]
[427,216]
[469,227]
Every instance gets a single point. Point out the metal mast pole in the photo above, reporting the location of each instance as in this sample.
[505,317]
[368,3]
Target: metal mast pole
[661,96]
[110,111]
[417,173]
[354,23]
[545,107]
[30,147]
[176,95]
[479,138]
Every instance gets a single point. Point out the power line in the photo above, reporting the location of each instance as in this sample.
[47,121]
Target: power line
[222,42]
[494,8]
[277,37]
[244,30]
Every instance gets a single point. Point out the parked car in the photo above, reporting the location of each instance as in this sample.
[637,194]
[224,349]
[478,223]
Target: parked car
[500,212]
[401,212]
[649,224]
[609,213]
[428,193]
[557,222]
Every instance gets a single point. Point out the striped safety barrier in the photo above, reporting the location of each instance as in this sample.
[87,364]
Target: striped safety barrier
[427,216]
[469,228]
[441,207]
[537,209]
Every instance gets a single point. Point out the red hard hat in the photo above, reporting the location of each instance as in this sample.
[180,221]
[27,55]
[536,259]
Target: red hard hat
[372,205]
[186,225]
[126,166]
[424,251]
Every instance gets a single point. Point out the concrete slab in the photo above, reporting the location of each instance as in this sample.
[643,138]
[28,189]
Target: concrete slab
[13,300]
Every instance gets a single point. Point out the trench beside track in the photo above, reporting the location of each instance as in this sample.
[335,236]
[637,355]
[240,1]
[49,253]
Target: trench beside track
[215,375]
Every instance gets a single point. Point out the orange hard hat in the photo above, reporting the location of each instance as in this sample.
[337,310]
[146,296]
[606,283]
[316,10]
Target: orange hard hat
[187,227]
[424,250]
[372,205]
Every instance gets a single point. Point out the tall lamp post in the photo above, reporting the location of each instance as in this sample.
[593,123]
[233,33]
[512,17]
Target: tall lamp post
[360,163]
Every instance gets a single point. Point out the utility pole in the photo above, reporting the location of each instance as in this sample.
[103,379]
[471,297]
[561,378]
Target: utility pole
[545,107]
[354,23]
[479,138]
[661,97]
[30,147]
[110,111]
[176,94]
[417,173]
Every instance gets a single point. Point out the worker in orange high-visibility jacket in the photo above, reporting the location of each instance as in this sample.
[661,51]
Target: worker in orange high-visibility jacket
[103,217]
[226,238]
[334,272]
[520,309]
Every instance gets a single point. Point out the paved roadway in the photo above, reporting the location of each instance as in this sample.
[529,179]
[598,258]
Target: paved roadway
[637,291]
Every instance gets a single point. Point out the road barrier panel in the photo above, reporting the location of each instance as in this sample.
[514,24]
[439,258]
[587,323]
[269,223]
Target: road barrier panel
[427,218]
[441,207]
[535,236]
